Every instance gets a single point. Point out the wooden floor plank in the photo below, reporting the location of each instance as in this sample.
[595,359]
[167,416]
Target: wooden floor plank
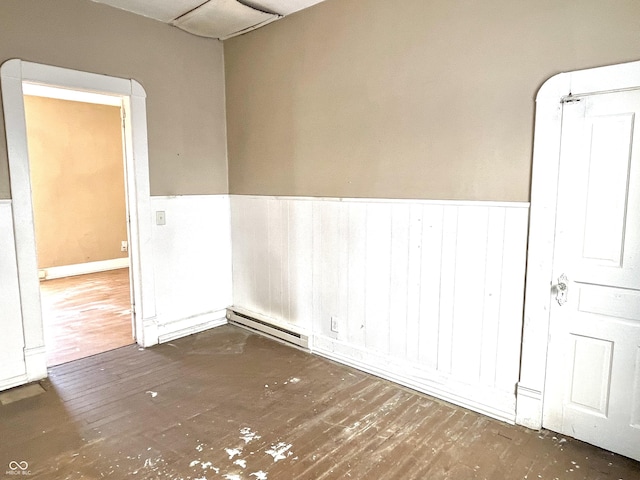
[85,315]
[230,404]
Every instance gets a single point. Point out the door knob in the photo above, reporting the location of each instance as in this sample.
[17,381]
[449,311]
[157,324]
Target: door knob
[562,289]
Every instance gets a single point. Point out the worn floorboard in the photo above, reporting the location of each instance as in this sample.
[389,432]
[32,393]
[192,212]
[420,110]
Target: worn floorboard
[232,405]
[86,314]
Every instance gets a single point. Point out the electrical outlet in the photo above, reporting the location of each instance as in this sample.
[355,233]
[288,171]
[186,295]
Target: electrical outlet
[334,324]
[124,246]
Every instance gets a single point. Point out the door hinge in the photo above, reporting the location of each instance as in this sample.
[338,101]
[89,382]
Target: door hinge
[571,99]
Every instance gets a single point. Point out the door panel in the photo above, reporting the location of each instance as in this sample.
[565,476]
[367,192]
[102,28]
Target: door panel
[635,410]
[607,192]
[614,302]
[593,371]
[599,194]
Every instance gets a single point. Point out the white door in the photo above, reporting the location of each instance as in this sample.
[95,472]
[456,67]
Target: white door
[592,389]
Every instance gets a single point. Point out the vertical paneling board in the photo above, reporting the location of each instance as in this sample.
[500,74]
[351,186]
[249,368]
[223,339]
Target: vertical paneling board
[431,292]
[326,272]
[399,279]
[260,257]
[12,338]
[492,285]
[432,274]
[356,272]
[447,288]
[241,240]
[378,276]
[300,246]
[414,283]
[469,293]
[511,298]
[277,257]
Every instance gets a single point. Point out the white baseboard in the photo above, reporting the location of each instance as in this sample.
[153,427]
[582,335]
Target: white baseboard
[35,366]
[170,330]
[12,382]
[82,268]
[529,411]
[150,329]
[35,360]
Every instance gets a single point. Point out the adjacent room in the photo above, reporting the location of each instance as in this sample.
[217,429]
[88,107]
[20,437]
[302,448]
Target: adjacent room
[80,219]
[277,239]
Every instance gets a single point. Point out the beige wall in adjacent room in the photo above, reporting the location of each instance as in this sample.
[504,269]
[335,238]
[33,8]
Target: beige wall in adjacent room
[77,178]
[407,98]
[183,76]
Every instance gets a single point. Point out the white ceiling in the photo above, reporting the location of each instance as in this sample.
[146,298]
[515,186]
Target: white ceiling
[213,18]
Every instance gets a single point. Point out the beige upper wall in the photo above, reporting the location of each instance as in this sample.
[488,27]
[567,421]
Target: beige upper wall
[182,74]
[410,98]
[77,178]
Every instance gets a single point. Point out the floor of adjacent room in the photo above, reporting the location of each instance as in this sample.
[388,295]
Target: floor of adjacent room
[229,403]
[86,314]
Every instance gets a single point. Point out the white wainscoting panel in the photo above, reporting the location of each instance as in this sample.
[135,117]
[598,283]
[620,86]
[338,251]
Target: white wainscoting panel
[12,363]
[192,263]
[272,259]
[426,293]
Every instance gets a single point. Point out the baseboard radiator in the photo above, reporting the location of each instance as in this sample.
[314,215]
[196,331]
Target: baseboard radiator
[242,319]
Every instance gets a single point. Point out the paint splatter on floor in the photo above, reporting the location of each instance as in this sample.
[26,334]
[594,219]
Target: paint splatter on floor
[231,476]
[232,452]
[247,435]
[93,423]
[279,450]
[209,465]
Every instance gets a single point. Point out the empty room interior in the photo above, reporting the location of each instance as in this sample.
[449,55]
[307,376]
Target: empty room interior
[80,222]
[320,239]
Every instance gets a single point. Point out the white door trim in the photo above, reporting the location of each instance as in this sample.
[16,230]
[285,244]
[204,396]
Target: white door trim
[12,74]
[546,159]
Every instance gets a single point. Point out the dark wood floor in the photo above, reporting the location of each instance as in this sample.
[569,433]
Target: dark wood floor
[86,314]
[230,404]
